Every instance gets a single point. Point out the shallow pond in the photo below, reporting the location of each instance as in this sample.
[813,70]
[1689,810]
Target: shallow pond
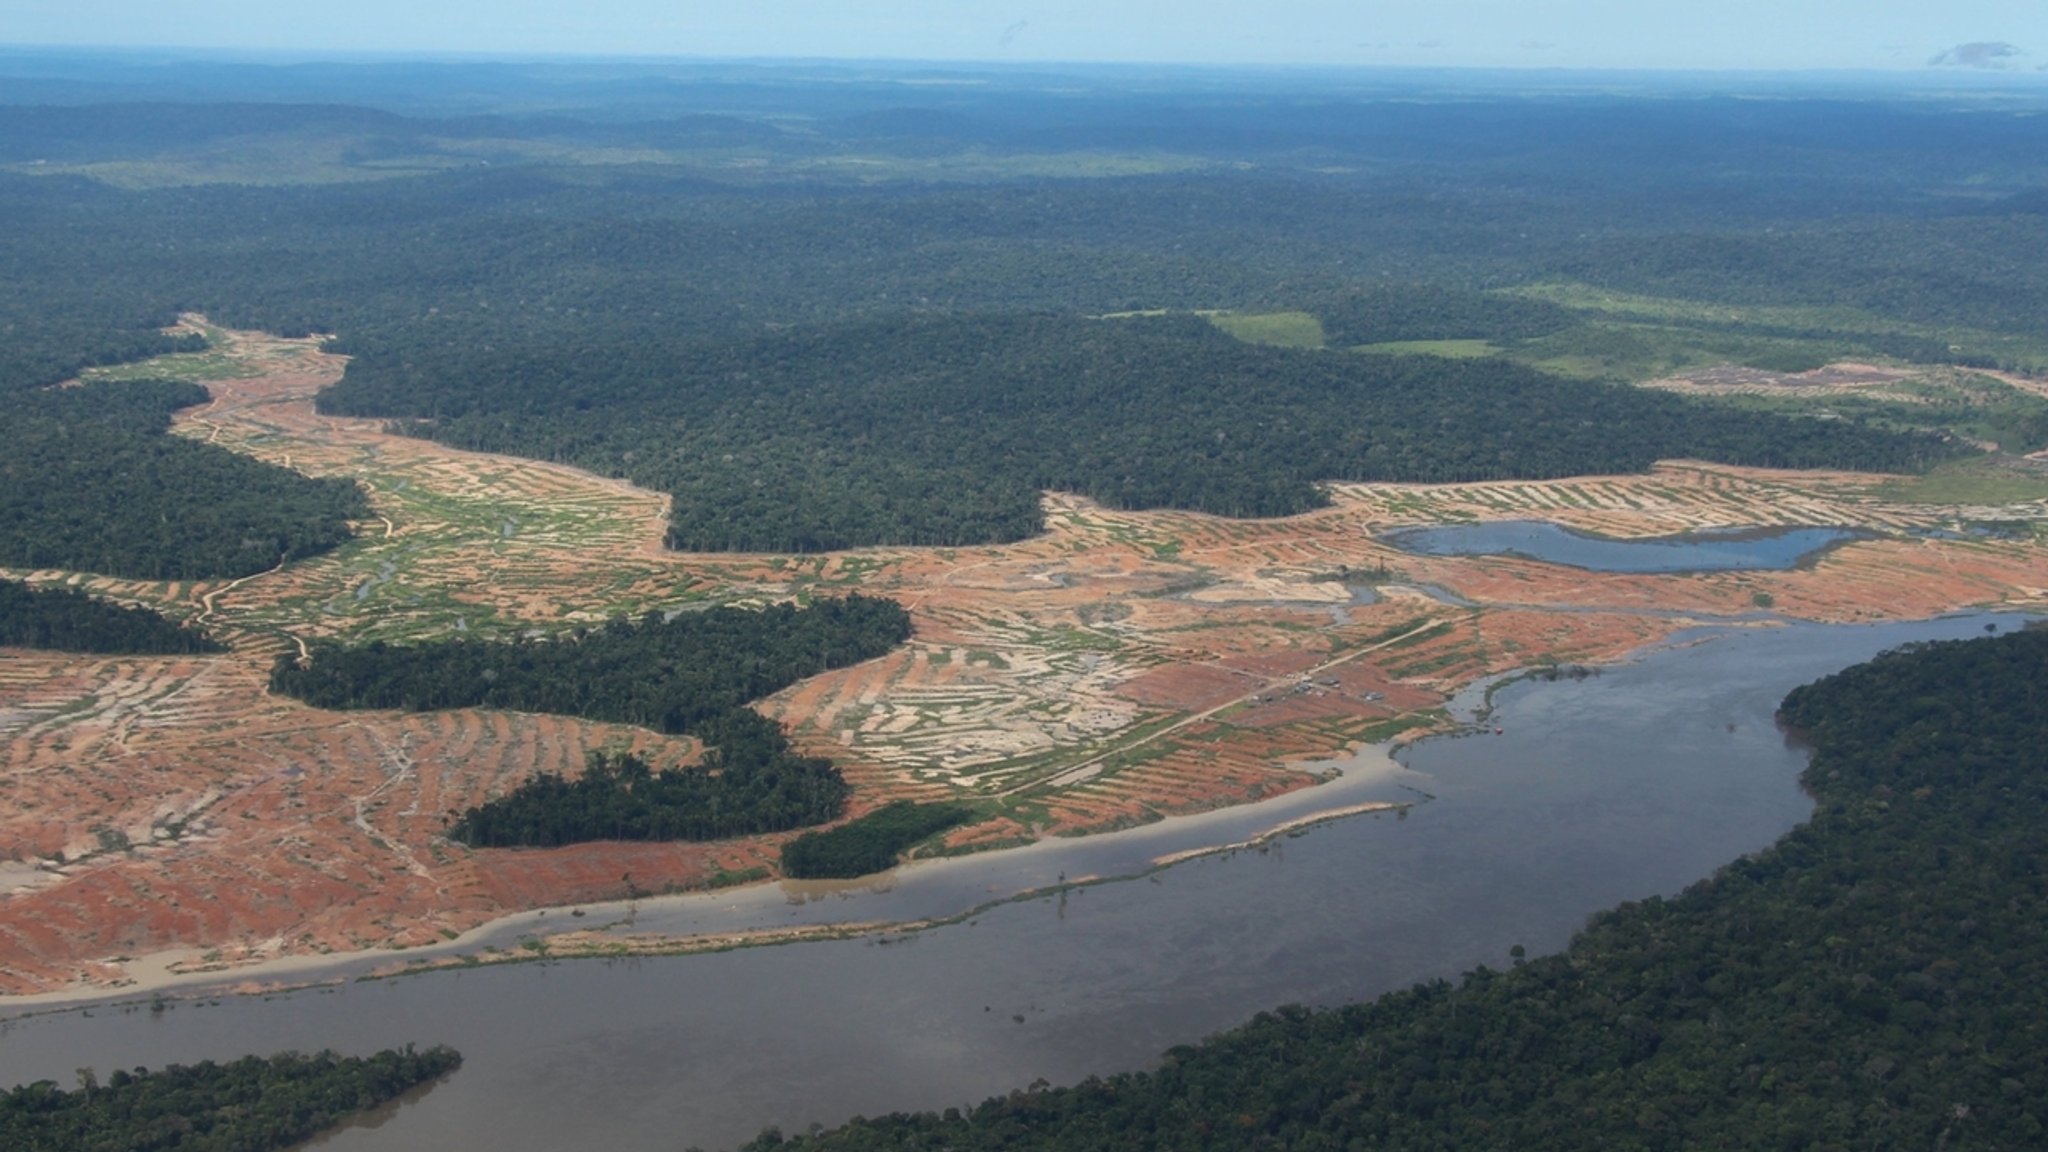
[1747,549]
[1624,785]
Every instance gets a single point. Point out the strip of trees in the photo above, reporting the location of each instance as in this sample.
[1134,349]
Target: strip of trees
[1879,978]
[869,844]
[68,620]
[750,782]
[255,1104]
[671,675]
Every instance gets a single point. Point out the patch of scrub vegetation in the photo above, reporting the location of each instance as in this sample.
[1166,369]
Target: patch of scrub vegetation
[1612,349]
[1976,407]
[1392,639]
[1579,296]
[1637,335]
[1067,638]
[735,878]
[1988,482]
[198,366]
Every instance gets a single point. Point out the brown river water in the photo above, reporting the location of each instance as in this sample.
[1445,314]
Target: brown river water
[1635,782]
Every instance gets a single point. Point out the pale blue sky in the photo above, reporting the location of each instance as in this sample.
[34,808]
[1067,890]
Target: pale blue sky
[1487,33]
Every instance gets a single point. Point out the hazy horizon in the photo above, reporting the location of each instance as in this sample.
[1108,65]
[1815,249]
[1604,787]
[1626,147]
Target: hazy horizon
[1740,35]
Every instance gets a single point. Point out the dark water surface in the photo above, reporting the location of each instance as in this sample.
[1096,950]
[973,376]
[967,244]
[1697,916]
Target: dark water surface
[1621,786]
[1746,549]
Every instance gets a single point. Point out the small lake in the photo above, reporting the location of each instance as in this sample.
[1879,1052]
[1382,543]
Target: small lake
[1620,786]
[1743,549]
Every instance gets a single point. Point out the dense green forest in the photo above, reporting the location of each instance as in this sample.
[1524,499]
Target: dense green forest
[1877,979]
[670,675]
[870,843]
[91,480]
[1389,313]
[944,430]
[67,620]
[255,1104]
[750,782]
[819,308]
[692,674]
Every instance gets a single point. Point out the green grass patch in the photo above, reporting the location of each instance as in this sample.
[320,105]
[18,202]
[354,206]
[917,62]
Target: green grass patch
[1427,634]
[734,877]
[1283,329]
[195,366]
[1637,350]
[1716,327]
[1588,298]
[1973,406]
[1067,638]
[1970,482]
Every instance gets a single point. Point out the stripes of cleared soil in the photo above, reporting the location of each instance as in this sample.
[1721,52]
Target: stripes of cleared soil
[1120,667]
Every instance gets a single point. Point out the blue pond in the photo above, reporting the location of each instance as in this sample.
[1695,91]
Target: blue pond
[1721,550]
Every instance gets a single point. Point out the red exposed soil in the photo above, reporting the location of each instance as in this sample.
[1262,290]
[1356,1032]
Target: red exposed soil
[1184,662]
[1185,688]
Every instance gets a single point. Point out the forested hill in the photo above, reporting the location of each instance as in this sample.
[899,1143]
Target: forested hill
[944,430]
[1878,979]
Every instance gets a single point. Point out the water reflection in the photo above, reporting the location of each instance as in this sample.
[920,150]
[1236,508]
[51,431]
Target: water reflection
[1748,549]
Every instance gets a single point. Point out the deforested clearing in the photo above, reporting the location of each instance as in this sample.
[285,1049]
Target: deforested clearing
[1116,668]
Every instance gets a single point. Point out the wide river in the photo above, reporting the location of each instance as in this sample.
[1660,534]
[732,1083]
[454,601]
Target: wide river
[1632,783]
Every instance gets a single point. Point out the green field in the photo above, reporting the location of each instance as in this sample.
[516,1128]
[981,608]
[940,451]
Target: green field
[1969,482]
[1285,329]
[1636,336]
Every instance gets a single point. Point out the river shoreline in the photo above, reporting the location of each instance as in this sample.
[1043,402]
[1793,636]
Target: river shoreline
[1624,786]
[161,981]
[634,928]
